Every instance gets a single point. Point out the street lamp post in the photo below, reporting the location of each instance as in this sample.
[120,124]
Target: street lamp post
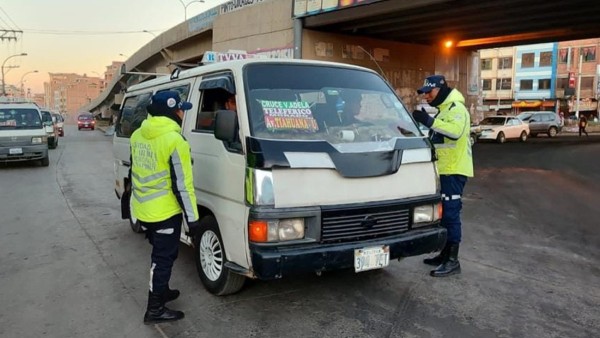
[22,78]
[149,32]
[3,63]
[186,6]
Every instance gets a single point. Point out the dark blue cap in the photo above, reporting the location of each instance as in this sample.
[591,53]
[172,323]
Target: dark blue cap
[167,103]
[433,81]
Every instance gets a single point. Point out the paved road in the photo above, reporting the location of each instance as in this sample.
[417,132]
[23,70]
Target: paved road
[69,267]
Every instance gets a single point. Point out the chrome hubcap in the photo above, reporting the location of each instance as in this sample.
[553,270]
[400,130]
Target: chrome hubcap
[211,255]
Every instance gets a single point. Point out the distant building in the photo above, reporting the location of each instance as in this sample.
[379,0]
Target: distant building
[569,55]
[69,92]
[111,71]
[497,71]
[540,77]
[535,74]
[39,99]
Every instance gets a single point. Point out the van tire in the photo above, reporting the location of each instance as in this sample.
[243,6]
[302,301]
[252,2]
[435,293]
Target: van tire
[45,161]
[210,260]
[552,132]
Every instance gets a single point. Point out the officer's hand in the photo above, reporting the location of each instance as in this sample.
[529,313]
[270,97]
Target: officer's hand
[422,117]
[193,228]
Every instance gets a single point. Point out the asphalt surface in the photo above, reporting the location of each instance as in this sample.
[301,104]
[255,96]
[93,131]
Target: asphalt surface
[70,267]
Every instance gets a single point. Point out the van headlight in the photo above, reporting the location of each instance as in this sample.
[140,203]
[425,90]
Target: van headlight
[426,214]
[276,230]
[37,140]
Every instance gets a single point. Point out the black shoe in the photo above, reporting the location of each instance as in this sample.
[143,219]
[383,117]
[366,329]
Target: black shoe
[157,312]
[439,259]
[171,295]
[449,267]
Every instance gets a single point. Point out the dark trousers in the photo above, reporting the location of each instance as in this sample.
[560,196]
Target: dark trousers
[582,129]
[452,190]
[164,237]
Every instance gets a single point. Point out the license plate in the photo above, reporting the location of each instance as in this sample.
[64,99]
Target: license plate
[15,151]
[371,258]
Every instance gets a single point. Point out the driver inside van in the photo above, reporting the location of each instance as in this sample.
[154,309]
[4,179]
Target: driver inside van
[30,120]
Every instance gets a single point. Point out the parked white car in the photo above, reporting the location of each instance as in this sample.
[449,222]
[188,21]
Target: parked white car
[502,128]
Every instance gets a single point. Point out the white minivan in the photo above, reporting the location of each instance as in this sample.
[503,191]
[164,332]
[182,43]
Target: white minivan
[22,133]
[285,185]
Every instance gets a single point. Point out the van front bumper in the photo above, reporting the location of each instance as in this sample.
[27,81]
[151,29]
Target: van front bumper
[28,153]
[271,262]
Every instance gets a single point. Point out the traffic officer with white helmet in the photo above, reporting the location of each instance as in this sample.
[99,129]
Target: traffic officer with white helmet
[162,194]
[449,132]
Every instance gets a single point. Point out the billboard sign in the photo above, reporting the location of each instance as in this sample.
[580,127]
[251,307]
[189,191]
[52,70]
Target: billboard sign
[312,7]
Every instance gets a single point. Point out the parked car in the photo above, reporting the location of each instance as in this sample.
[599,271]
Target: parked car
[60,123]
[502,128]
[86,120]
[475,133]
[51,129]
[542,122]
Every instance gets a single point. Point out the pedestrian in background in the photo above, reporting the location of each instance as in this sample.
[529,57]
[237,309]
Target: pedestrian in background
[582,125]
[162,193]
[450,134]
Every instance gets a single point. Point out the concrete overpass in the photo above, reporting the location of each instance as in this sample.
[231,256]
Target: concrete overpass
[410,28]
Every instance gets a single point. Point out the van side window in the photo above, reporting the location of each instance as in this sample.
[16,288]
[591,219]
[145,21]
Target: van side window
[183,90]
[211,101]
[133,112]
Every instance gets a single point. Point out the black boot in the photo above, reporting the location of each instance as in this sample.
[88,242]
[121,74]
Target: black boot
[157,312]
[171,295]
[440,258]
[451,266]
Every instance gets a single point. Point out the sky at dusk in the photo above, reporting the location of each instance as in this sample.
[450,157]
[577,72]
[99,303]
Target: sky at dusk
[81,36]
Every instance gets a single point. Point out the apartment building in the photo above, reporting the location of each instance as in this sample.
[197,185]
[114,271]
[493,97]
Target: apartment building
[534,77]
[497,72]
[111,71]
[69,92]
[578,65]
[541,77]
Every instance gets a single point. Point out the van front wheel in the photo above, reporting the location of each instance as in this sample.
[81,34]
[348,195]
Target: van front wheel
[210,260]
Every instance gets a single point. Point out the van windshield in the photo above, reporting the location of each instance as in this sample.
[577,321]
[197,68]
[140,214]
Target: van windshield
[20,118]
[349,108]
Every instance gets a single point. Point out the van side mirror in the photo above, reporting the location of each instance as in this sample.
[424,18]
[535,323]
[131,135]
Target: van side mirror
[226,125]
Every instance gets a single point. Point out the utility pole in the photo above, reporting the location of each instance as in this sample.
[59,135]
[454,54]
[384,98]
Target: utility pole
[9,34]
[578,92]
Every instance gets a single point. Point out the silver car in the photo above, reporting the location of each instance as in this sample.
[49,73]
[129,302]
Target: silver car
[542,122]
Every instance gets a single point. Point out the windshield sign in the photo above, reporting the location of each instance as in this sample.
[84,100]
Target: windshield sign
[350,109]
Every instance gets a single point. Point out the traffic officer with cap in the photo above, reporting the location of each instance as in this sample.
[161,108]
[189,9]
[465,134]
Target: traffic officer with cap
[162,194]
[449,132]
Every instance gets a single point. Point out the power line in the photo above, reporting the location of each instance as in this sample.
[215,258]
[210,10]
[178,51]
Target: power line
[9,18]
[74,32]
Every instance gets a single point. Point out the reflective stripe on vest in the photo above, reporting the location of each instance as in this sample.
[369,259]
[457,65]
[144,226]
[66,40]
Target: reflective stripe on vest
[180,183]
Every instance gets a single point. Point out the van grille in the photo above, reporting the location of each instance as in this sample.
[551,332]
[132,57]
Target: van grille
[359,224]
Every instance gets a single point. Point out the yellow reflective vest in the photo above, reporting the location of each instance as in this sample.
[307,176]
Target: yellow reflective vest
[161,172]
[451,136]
